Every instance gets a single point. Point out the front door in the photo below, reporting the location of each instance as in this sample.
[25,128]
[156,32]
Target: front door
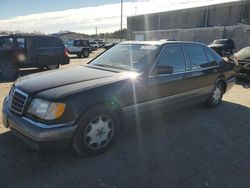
[164,89]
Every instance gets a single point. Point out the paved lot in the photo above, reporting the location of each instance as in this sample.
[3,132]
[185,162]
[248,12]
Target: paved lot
[193,147]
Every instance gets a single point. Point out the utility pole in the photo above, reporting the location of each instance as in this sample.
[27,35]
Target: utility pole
[96,31]
[121,17]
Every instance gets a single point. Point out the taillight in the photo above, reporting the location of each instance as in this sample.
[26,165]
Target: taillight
[66,54]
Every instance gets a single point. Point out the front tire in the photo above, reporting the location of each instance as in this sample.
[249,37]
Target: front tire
[216,96]
[96,131]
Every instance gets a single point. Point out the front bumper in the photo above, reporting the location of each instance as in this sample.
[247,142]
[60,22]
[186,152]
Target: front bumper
[243,70]
[36,134]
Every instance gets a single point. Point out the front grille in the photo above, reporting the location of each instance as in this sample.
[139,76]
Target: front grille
[17,100]
[241,64]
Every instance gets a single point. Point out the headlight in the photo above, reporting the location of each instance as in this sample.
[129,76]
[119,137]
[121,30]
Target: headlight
[46,110]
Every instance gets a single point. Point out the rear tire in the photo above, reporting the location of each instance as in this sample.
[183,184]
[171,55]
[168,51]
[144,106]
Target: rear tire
[216,96]
[52,67]
[41,68]
[96,131]
[85,53]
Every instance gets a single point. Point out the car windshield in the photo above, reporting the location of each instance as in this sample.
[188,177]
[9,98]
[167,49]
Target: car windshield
[243,53]
[222,41]
[127,56]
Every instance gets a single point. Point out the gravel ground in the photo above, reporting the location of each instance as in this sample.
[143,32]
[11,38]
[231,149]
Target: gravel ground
[192,147]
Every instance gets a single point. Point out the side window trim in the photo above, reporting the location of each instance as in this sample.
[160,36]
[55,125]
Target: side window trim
[150,75]
[189,60]
[213,55]
[208,52]
[205,52]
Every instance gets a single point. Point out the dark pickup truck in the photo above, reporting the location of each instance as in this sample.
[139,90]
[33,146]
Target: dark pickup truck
[86,105]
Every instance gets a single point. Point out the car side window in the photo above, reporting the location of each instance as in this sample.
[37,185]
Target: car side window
[172,56]
[6,43]
[48,42]
[20,43]
[197,57]
[211,59]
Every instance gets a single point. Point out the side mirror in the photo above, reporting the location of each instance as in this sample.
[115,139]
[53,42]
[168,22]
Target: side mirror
[164,69]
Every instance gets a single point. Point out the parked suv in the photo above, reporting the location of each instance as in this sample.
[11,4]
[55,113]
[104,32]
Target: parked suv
[94,45]
[223,46]
[100,42]
[79,47]
[86,105]
[32,51]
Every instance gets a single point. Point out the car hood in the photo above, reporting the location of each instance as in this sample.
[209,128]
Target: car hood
[81,76]
[215,45]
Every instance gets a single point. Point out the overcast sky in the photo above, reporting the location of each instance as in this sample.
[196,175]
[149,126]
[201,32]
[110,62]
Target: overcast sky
[81,15]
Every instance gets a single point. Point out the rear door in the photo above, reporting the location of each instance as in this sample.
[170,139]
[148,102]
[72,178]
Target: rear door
[165,89]
[6,48]
[77,46]
[203,69]
[85,45]
[49,50]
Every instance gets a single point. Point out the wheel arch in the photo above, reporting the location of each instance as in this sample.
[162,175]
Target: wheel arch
[221,79]
[112,104]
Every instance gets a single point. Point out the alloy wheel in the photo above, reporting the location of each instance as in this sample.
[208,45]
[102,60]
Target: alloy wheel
[99,132]
[217,94]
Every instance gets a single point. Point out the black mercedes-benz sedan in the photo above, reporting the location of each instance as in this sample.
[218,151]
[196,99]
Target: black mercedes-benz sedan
[85,106]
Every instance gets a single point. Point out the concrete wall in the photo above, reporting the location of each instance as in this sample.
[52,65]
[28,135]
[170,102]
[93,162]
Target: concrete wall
[240,34]
[226,14]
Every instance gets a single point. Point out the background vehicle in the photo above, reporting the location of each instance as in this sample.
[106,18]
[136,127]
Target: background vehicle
[86,105]
[20,51]
[94,45]
[100,42]
[79,47]
[110,45]
[243,59]
[223,46]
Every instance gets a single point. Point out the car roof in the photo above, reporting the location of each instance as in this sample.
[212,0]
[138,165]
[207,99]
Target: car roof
[25,35]
[161,42]
[81,39]
[222,39]
[4,35]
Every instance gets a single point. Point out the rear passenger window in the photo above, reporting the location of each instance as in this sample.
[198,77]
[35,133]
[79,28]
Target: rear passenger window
[48,42]
[211,60]
[173,56]
[20,43]
[77,43]
[197,57]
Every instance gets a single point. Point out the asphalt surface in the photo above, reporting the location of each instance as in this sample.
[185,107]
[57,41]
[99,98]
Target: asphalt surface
[192,147]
